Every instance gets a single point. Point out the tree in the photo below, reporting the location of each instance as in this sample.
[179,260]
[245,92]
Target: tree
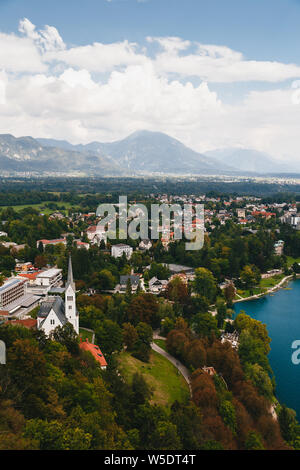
[250,276]
[130,336]
[144,308]
[109,337]
[261,380]
[254,441]
[67,336]
[40,261]
[140,389]
[204,324]
[229,293]
[177,290]
[142,348]
[205,284]
[288,423]
[221,313]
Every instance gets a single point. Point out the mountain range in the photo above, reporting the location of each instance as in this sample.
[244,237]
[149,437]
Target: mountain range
[141,153]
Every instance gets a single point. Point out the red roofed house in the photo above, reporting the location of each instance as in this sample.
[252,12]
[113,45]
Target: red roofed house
[95,351]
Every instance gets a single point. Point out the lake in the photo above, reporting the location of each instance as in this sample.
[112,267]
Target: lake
[281,313]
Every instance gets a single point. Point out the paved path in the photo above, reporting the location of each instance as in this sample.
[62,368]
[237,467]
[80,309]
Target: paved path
[184,371]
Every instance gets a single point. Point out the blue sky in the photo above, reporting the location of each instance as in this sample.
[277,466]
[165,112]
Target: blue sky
[211,73]
[261,29]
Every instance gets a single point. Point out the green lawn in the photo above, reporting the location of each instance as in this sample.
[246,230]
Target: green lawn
[161,343]
[163,378]
[84,334]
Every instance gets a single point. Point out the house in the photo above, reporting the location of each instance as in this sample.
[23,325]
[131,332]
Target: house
[118,250]
[241,213]
[145,245]
[135,281]
[62,241]
[95,351]
[55,312]
[95,234]
[232,338]
[156,285]
[57,241]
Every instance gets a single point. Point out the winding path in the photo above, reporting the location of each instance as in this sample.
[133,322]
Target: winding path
[182,369]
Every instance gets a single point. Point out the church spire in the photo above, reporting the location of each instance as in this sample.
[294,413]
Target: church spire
[70,280]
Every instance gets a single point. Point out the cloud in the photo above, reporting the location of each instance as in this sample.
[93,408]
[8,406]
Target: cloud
[99,57]
[218,64]
[106,91]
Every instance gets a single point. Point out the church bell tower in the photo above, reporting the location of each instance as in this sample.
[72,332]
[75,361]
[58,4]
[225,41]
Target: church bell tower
[70,300]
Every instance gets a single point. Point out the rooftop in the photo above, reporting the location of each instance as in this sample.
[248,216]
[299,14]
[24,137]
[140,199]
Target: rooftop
[95,351]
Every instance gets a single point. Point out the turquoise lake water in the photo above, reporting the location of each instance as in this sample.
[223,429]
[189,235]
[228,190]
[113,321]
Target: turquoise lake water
[281,313]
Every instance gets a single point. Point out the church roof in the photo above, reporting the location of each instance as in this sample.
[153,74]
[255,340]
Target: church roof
[58,305]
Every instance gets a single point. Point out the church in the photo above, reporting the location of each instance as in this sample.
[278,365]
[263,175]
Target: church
[55,312]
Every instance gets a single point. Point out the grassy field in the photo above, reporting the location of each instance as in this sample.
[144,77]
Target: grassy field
[162,377]
[161,343]
[42,207]
[84,334]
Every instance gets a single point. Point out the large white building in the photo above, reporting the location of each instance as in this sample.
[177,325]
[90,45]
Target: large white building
[55,312]
[50,278]
[118,250]
[15,301]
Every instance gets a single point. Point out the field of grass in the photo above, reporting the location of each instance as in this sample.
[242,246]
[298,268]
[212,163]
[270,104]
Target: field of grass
[84,334]
[161,343]
[41,207]
[163,378]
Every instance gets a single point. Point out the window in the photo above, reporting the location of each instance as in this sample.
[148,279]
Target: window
[70,299]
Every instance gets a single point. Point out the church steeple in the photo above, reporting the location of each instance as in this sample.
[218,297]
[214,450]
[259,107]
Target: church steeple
[70,299]
[70,280]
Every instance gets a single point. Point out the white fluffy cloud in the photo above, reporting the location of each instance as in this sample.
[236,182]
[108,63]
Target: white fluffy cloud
[106,91]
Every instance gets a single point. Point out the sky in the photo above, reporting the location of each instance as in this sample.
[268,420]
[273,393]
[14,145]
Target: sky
[212,74]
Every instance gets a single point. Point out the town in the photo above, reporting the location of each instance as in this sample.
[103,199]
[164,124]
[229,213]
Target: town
[140,304]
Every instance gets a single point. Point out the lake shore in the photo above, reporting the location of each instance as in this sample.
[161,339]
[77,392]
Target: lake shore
[278,286]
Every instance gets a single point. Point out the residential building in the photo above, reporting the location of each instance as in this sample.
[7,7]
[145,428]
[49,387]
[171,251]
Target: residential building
[50,278]
[95,351]
[156,286]
[118,250]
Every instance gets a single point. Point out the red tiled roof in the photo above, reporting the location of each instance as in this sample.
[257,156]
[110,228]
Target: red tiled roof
[95,351]
[28,323]
[31,276]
